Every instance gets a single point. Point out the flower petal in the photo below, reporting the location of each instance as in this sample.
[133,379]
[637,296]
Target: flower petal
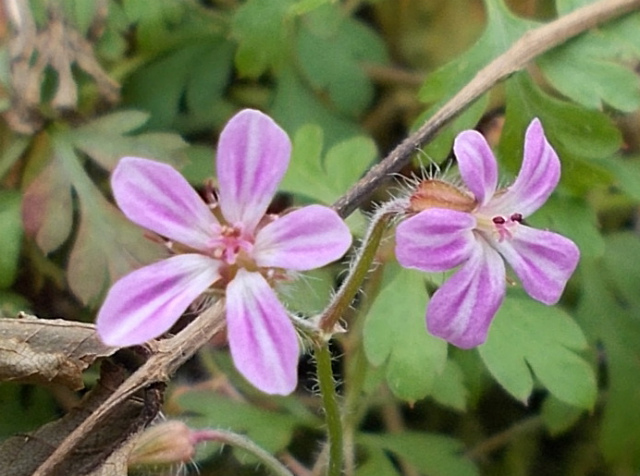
[544,261]
[263,342]
[435,239]
[154,195]
[538,176]
[253,156]
[477,165]
[146,303]
[464,306]
[304,239]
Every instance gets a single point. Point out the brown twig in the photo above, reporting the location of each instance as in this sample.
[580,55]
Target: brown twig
[529,46]
[167,357]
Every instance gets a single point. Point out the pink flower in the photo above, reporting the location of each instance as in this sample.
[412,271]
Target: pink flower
[475,229]
[233,247]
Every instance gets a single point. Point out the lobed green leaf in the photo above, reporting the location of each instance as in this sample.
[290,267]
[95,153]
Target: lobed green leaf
[530,339]
[395,335]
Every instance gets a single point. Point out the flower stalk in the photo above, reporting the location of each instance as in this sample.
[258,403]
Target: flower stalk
[328,321]
[244,443]
[358,272]
[331,408]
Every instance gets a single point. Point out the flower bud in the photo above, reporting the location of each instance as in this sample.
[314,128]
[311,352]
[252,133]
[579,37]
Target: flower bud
[166,443]
[433,193]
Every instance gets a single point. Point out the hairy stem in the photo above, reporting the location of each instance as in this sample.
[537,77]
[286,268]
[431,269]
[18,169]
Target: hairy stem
[357,273]
[244,443]
[331,408]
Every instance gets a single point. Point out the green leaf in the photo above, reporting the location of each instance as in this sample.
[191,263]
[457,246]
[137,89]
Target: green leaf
[106,140]
[621,270]
[326,179]
[199,166]
[528,338]
[157,23]
[578,135]
[307,165]
[194,75]
[112,45]
[626,171]
[262,31]
[10,236]
[588,71]
[475,376]
[439,148]
[609,311]
[395,335]
[573,218]
[431,454]
[449,389]
[348,160]
[558,416]
[269,429]
[24,408]
[377,463]
[339,74]
[80,13]
[107,245]
[295,106]
[570,128]
[594,68]
[11,151]
[209,76]
[310,293]
[502,30]
[12,303]
[305,6]
[47,207]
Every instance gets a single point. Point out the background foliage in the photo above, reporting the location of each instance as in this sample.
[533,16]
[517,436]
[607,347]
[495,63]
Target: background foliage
[553,391]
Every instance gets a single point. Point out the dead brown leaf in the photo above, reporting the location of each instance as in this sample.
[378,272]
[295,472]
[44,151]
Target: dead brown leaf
[100,453]
[45,351]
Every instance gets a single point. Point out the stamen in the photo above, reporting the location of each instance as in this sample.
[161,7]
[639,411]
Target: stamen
[504,227]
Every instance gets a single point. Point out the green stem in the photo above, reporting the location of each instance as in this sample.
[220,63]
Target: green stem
[239,441]
[357,273]
[327,323]
[331,408]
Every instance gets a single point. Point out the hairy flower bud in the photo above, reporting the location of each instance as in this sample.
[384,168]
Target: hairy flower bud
[169,442]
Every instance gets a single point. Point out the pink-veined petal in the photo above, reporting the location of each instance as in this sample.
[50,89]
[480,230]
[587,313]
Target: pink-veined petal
[253,156]
[145,303]
[462,309]
[477,165]
[544,261]
[538,176]
[304,239]
[263,342]
[435,239]
[155,196]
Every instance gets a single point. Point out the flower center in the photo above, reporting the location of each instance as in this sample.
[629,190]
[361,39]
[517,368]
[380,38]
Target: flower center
[504,227]
[231,245]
